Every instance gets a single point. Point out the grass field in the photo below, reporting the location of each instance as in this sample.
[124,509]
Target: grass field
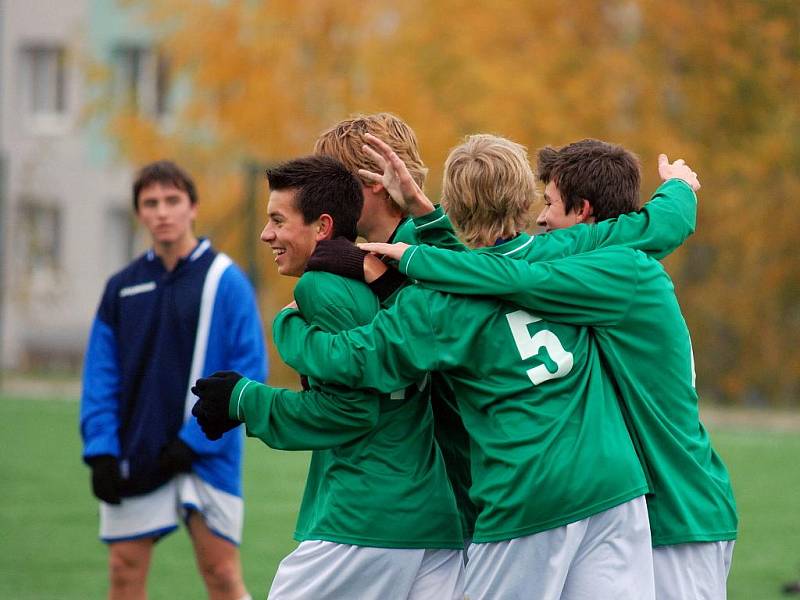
[48,518]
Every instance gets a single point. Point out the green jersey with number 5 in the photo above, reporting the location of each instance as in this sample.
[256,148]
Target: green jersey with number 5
[645,343]
[549,444]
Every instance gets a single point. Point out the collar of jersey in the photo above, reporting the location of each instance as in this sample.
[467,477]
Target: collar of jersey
[396,229]
[202,246]
[510,247]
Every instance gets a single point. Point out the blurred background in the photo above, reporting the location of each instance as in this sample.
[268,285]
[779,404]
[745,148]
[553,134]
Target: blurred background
[93,88]
[90,89]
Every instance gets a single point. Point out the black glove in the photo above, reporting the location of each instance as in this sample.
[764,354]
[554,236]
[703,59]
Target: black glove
[339,256]
[388,283]
[211,409]
[176,457]
[105,477]
[793,587]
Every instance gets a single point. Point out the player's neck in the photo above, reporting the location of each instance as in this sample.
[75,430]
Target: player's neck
[171,252]
[383,230]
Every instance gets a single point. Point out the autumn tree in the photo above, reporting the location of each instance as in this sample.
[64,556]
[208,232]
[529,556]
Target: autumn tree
[713,82]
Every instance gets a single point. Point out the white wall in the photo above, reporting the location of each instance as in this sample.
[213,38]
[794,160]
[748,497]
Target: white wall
[51,161]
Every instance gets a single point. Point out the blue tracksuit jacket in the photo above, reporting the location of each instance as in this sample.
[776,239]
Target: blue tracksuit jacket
[154,334]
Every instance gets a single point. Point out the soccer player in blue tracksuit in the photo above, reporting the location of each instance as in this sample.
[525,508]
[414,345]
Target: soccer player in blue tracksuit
[178,312]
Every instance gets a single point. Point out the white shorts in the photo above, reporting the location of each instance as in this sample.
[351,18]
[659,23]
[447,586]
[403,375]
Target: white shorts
[327,571]
[697,570]
[607,555]
[158,513]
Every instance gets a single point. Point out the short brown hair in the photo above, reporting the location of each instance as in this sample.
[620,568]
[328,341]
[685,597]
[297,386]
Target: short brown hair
[322,185]
[163,172]
[607,175]
[488,189]
[344,142]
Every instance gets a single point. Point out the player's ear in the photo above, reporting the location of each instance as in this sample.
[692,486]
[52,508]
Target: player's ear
[585,212]
[324,227]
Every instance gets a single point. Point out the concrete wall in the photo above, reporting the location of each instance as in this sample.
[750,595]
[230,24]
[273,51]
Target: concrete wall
[65,163]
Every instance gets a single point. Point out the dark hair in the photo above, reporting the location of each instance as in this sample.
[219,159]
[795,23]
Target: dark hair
[607,175]
[164,172]
[323,185]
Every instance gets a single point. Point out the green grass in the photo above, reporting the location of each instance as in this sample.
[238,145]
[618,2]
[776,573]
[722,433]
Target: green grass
[48,518]
[766,479]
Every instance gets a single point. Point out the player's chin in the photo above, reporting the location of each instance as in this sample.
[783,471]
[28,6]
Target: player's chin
[289,270]
[165,237]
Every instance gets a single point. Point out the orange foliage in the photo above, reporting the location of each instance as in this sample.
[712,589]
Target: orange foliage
[714,82]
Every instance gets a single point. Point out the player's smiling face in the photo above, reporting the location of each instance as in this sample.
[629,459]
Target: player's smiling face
[553,215]
[292,239]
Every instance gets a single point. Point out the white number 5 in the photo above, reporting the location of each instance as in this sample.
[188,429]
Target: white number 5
[529,345]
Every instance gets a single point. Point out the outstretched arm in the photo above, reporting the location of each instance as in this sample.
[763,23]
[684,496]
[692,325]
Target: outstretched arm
[594,288]
[314,419]
[393,351]
[657,229]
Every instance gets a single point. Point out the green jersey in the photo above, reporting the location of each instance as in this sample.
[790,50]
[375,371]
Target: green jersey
[448,427]
[436,227]
[548,442]
[645,343]
[376,476]
[658,228]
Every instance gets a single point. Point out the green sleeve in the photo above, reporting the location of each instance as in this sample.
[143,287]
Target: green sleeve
[594,288]
[393,351]
[309,420]
[659,227]
[324,416]
[434,229]
[333,302]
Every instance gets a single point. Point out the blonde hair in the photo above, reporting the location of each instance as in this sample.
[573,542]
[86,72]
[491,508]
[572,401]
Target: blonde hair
[488,189]
[344,142]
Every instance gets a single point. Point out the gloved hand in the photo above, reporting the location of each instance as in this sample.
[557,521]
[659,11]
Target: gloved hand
[339,256]
[176,457]
[105,478]
[211,409]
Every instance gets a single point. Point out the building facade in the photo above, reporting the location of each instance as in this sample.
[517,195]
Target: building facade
[66,222]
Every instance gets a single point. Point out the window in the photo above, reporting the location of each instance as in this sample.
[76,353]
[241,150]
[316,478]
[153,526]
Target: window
[141,79]
[120,233]
[44,87]
[45,66]
[40,232]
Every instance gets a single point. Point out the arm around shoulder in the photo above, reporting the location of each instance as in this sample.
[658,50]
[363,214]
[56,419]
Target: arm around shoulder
[320,418]
[391,352]
[661,226]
